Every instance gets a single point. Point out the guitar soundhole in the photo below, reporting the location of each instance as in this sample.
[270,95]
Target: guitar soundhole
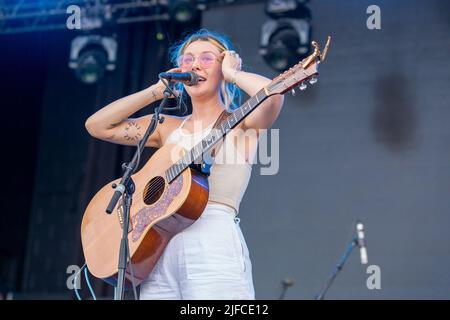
[154,190]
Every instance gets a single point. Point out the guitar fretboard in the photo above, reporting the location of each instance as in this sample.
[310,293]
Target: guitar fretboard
[215,135]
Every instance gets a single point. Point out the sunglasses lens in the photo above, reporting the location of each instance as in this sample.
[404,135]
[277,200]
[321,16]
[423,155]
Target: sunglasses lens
[185,60]
[207,59]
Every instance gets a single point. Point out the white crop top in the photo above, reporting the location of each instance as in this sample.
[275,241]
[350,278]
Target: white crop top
[229,173]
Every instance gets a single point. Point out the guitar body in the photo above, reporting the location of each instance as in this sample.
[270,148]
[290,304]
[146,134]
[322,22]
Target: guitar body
[159,211]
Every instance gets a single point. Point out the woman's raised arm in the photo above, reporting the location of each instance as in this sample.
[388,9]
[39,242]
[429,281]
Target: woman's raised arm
[111,123]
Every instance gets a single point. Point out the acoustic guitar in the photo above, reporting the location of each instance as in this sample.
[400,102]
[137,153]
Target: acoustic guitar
[170,192]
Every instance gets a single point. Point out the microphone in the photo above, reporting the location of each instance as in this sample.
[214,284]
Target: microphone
[188,78]
[286,283]
[361,242]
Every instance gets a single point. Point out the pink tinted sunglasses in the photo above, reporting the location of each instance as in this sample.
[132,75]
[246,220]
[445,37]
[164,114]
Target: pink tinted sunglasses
[206,60]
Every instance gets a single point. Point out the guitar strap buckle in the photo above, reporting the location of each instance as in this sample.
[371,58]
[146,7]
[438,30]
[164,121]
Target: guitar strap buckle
[203,168]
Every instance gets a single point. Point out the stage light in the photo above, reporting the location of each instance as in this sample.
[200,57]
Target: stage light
[91,56]
[286,35]
[183,11]
[279,8]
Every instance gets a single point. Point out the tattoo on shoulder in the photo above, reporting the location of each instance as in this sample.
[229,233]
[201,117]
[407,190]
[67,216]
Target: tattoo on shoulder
[132,131]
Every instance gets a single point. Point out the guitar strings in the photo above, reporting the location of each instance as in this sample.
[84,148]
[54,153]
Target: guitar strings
[153,190]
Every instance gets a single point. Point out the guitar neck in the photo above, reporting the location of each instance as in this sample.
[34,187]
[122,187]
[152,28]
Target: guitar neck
[216,135]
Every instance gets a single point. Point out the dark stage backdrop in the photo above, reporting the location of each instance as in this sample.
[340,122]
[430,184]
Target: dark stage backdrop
[21,90]
[370,141]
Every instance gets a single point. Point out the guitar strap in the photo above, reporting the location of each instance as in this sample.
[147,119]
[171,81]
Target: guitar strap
[216,125]
[205,166]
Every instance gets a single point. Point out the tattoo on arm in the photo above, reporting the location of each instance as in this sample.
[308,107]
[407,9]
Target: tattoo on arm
[155,97]
[133,131]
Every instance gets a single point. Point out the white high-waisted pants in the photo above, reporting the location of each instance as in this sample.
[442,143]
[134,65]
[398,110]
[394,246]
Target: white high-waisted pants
[207,260]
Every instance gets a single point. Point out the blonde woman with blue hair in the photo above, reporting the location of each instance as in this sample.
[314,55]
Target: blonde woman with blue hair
[210,258]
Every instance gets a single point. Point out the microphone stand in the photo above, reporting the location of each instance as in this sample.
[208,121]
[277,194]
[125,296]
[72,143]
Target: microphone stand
[126,189]
[338,268]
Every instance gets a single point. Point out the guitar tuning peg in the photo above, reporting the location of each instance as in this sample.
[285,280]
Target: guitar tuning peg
[302,86]
[293,92]
[313,80]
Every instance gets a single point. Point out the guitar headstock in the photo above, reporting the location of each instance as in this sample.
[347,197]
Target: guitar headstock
[305,70]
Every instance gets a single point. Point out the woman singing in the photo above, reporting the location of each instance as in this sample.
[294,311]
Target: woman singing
[209,259]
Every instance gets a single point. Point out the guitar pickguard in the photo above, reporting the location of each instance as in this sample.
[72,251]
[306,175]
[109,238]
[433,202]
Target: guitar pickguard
[147,215]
